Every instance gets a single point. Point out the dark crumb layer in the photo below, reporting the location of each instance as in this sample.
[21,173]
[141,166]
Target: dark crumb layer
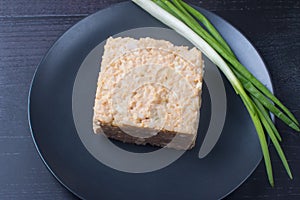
[161,139]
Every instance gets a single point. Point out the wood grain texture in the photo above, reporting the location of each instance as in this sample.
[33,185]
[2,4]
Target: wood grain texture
[23,43]
[18,8]
[29,28]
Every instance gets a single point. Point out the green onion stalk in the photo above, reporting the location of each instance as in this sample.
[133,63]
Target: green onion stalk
[258,100]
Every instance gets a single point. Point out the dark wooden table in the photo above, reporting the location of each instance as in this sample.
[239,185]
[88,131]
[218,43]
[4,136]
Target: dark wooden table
[29,28]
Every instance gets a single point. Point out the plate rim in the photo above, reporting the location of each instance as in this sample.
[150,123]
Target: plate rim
[60,37]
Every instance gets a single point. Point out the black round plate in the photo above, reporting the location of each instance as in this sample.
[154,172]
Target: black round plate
[232,160]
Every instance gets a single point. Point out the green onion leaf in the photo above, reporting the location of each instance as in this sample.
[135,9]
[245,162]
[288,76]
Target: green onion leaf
[255,92]
[276,143]
[213,31]
[267,117]
[183,19]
